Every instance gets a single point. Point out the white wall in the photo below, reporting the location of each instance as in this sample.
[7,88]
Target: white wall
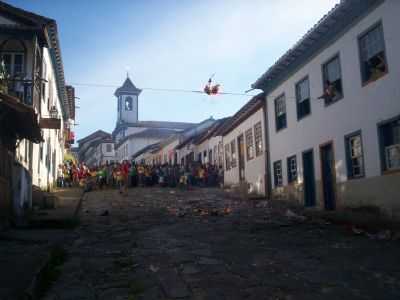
[131,146]
[360,109]
[254,168]
[107,156]
[187,149]
[218,156]
[43,175]
[200,148]
[168,151]
[208,145]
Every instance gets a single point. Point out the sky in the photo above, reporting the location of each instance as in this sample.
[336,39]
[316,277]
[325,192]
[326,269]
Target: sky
[174,45]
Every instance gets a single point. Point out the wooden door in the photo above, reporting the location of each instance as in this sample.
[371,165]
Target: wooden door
[328,175]
[309,178]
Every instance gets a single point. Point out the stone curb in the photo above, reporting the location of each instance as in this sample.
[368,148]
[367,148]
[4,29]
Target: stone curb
[32,292]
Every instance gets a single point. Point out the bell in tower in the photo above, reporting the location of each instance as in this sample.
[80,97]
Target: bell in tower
[127,96]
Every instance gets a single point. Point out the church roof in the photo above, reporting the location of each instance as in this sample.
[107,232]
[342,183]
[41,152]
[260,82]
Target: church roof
[127,88]
[152,133]
[214,130]
[177,126]
[244,113]
[165,124]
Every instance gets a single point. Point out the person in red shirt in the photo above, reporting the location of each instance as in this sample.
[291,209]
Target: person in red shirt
[125,167]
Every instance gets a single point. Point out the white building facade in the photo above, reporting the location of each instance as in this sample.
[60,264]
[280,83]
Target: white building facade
[334,111]
[97,149]
[36,77]
[244,148]
[209,145]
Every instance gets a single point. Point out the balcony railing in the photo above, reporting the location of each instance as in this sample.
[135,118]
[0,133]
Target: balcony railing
[53,121]
[20,88]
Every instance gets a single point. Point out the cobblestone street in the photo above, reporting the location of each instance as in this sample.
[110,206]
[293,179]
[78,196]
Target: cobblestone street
[204,244]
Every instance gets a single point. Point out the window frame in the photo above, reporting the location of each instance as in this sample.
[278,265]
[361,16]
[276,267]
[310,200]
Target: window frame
[44,85]
[276,183]
[349,164]
[227,151]
[307,77]
[384,169]
[249,146]
[359,37]
[329,60]
[233,154]
[292,179]
[12,55]
[260,151]
[276,112]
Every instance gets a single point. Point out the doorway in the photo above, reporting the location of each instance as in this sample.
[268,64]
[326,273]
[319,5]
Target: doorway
[309,178]
[30,156]
[328,175]
[240,141]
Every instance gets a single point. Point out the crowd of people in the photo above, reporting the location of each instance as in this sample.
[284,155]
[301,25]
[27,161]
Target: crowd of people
[129,174]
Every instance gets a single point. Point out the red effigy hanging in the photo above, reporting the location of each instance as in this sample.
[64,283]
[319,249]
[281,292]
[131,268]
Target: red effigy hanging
[210,89]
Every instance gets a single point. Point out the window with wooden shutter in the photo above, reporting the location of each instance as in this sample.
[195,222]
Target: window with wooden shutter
[249,144]
[280,112]
[258,139]
[278,173]
[303,98]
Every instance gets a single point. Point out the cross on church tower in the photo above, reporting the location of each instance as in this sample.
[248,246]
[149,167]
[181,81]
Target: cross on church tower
[127,95]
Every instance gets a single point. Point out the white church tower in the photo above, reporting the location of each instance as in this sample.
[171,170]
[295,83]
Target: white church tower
[127,95]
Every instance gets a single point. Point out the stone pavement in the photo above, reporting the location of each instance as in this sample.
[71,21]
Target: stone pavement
[24,252]
[204,244]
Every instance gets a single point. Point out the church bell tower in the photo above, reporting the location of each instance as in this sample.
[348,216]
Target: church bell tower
[127,95]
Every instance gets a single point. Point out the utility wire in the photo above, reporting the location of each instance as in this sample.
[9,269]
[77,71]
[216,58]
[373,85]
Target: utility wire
[158,89]
[183,91]
[270,97]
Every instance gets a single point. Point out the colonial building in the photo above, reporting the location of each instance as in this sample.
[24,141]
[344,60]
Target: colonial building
[179,148]
[96,149]
[148,155]
[164,152]
[33,75]
[334,110]
[209,145]
[186,150]
[132,135]
[245,147]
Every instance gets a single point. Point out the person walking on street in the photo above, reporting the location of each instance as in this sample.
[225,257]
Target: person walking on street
[140,171]
[125,174]
[134,176]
